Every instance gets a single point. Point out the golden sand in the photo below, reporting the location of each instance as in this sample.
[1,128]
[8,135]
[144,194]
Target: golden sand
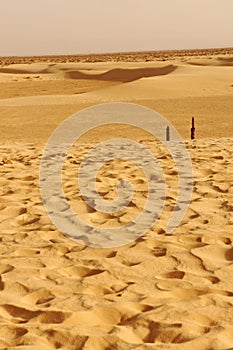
[160,292]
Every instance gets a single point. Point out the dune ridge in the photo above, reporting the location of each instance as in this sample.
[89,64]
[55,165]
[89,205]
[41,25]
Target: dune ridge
[123,75]
[217,62]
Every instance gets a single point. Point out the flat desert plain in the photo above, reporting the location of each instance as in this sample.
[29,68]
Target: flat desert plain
[162,291]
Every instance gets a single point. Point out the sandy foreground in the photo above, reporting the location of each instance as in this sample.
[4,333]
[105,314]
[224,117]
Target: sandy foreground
[159,292]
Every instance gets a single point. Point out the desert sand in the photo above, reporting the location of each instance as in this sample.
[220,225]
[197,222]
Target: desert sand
[163,291]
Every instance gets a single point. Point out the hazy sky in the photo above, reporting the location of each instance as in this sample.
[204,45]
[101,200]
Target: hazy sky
[30,27]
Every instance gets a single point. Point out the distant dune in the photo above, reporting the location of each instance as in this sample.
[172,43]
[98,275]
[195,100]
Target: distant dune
[219,61]
[43,94]
[123,75]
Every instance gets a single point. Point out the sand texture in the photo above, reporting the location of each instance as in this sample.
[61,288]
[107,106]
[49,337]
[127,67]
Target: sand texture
[160,292]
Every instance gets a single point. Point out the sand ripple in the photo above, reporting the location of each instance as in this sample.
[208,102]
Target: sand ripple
[161,292]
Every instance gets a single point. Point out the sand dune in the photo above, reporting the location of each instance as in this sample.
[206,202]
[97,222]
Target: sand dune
[162,291]
[123,75]
[219,62]
[183,82]
[187,91]
[30,70]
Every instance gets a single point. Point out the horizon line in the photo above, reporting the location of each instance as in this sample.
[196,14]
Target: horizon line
[119,52]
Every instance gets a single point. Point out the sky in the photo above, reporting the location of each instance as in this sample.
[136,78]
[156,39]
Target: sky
[53,27]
